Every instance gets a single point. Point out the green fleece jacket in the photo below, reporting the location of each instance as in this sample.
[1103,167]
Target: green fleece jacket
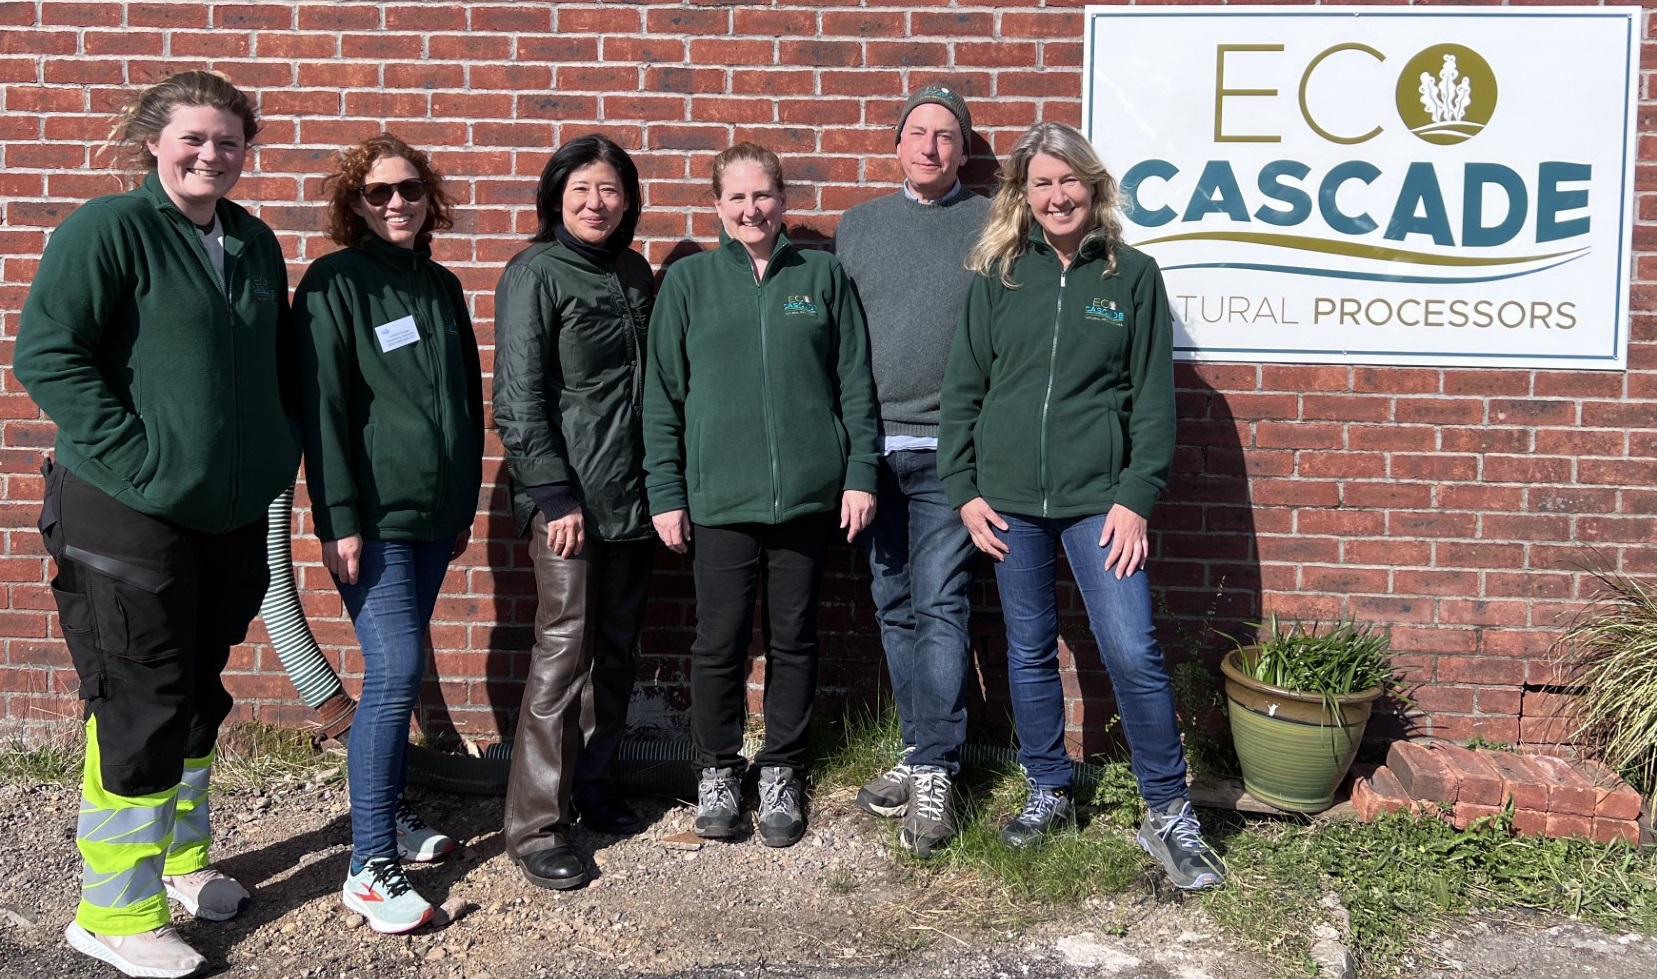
[162,381]
[1059,397]
[393,409]
[759,406]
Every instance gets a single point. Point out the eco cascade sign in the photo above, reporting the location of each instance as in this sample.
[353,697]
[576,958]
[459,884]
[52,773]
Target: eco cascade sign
[1352,185]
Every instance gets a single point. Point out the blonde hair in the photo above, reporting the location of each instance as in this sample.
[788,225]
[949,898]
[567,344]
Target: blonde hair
[753,153]
[147,111]
[1006,234]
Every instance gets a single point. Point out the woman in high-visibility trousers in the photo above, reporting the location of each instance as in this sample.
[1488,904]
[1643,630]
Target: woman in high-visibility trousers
[152,337]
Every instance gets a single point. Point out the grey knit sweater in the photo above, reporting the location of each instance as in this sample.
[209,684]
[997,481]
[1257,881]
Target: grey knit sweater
[907,261]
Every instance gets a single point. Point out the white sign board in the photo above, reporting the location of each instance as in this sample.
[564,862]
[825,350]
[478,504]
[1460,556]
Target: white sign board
[1377,186]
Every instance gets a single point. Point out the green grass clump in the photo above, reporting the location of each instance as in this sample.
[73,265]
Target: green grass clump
[1610,655]
[1401,875]
[254,754]
[56,761]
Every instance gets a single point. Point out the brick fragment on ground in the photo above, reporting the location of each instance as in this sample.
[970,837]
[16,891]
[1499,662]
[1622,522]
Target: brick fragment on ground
[1614,830]
[1478,782]
[1613,797]
[1379,793]
[1521,781]
[1530,822]
[1568,792]
[1466,813]
[1561,825]
[1423,772]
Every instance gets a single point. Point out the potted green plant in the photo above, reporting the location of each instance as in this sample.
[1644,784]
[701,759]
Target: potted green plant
[1299,700]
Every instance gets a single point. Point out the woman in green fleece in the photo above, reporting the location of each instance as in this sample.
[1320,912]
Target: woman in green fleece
[759,432]
[393,411]
[1057,428]
[152,338]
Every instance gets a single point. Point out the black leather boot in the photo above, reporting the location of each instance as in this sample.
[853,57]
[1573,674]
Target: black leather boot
[607,814]
[559,868]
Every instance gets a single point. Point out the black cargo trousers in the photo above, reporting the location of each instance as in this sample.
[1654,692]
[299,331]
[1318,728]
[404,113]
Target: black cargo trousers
[149,610]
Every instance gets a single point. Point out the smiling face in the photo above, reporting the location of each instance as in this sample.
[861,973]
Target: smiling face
[1060,200]
[594,202]
[199,156]
[397,220]
[751,207]
[930,150]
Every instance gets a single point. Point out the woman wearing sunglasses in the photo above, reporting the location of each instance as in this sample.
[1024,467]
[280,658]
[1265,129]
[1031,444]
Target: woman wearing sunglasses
[393,423]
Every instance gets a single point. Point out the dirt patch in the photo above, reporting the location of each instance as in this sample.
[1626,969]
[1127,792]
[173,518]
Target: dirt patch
[836,905]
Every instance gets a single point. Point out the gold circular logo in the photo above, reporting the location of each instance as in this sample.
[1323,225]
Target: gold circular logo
[1446,94]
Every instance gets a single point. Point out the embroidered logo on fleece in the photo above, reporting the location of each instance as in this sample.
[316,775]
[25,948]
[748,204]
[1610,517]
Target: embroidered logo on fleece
[799,306]
[262,290]
[1104,309]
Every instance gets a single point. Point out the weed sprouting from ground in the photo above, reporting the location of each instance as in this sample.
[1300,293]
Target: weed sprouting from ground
[55,761]
[256,754]
[1400,876]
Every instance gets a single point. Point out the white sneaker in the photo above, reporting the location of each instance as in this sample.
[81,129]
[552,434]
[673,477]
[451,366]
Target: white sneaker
[158,954]
[381,892]
[417,842]
[208,894]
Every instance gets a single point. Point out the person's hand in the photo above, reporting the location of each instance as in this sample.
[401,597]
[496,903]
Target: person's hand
[343,557]
[857,511]
[567,534]
[462,541]
[673,527]
[979,516]
[1124,534]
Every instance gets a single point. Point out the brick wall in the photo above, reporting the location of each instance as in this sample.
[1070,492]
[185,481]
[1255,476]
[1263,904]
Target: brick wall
[1450,506]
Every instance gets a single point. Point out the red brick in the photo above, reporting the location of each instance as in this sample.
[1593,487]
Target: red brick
[1614,830]
[1466,813]
[1613,797]
[1378,793]
[1564,825]
[1568,792]
[1480,784]
[1521,781]
[1530,822]
[1425,774]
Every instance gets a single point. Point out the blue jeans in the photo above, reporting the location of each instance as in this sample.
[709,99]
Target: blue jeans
[391,605]
[920,558]
[1119,612]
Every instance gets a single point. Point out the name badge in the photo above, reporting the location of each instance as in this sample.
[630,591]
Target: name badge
[397,333]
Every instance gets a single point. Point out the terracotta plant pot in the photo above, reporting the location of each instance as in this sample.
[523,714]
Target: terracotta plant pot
[1294,749]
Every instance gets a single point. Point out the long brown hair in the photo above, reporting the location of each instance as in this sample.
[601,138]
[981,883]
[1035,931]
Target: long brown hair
[345,226]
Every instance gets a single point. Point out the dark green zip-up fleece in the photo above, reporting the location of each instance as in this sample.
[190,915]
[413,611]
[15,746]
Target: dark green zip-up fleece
[164,383]
[569,383]
[393,438]
[759,406]
[1059,397]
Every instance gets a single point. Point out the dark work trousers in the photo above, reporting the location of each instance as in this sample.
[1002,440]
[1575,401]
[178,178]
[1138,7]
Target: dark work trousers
[588,616]
[149,610]
[729,563]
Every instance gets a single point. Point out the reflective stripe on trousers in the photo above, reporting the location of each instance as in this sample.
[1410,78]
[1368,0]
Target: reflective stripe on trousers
[190,830]
[123,842]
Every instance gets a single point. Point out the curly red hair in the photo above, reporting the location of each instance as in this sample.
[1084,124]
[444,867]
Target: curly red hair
[345,226]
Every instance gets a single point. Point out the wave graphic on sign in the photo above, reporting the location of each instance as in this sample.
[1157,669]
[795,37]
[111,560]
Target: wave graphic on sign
[1498,268]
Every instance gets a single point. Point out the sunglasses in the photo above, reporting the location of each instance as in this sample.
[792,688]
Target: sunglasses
[380,194]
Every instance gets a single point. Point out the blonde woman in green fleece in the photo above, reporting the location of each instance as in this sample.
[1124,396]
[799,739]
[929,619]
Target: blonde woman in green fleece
[759,433]
[152,338]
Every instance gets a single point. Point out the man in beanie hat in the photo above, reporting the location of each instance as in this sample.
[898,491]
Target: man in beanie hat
[906,254]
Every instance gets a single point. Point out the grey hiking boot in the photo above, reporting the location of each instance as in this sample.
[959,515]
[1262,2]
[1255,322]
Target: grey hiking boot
[887,794]
[716,803]
[1174,837]
[1046,810]
[930,821]
[781,812]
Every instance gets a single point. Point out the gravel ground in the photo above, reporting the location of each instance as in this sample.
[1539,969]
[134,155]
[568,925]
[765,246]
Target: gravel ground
[835,905]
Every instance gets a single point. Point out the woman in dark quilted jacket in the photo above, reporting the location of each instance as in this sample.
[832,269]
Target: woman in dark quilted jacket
[570,317]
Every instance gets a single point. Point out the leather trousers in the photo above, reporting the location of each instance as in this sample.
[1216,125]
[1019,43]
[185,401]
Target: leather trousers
[588,618]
